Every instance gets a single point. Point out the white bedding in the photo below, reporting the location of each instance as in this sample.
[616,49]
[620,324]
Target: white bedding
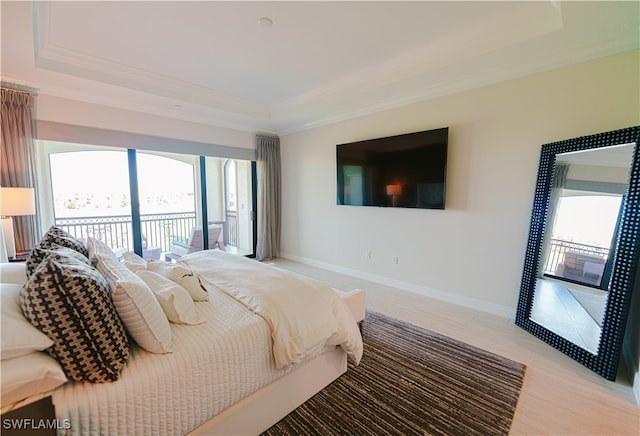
[303,314]
[214,365]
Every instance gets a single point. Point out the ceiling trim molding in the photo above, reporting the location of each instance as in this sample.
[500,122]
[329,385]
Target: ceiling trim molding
[368,91]
[60,59]
[495,75]
[507,30]
[279,123]
[77,64]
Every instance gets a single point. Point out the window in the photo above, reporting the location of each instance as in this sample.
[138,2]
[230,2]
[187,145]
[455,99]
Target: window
[582,236]
[147,200]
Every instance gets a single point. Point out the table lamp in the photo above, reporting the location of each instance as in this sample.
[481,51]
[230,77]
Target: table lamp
[394,191]
[14,202]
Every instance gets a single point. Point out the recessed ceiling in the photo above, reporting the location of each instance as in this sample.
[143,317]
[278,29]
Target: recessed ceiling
[319,62]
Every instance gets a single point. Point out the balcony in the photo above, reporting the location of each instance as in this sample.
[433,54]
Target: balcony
[558,248]
[159,231]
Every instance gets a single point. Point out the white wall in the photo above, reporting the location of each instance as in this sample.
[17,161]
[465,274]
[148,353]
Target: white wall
[472,252]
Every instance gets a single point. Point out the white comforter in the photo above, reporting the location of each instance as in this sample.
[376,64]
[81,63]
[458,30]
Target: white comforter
[213,365]
[303,315]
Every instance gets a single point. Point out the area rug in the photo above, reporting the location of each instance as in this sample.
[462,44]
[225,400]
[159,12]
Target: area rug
[594,302]
[412,381]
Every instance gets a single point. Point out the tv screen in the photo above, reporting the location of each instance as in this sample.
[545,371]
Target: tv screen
[397,171]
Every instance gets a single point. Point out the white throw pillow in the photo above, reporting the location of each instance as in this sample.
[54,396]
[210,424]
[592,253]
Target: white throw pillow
[96,247]
[133,261]
[174,299]
[135,303]
[19,336]
[32,374]
[182,276]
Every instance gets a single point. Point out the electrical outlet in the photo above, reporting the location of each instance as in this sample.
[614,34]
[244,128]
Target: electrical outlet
[367,255]
[394,260]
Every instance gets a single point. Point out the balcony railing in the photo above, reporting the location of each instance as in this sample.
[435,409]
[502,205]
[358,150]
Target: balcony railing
[158,230]
[558,248]
[231,236]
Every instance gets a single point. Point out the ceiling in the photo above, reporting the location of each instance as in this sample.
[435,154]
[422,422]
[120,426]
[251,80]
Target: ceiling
[618,156]
[212,62]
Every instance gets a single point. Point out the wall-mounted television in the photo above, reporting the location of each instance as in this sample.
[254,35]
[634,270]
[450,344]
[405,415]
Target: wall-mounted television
[407,170]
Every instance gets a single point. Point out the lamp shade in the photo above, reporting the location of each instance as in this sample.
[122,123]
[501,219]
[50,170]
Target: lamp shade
[394,189]
[17,201]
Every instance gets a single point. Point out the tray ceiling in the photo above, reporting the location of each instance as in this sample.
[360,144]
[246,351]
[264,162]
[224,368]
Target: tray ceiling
[319,62]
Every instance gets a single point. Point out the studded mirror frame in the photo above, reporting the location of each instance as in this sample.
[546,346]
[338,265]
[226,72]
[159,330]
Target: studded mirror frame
[625,263]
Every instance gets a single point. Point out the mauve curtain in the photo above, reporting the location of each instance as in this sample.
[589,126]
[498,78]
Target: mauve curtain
[18,168]
[269,193]
[557,185]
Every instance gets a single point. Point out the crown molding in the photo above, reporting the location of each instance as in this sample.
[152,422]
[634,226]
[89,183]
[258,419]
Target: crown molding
[453,64]
[89,67]
[447,85]
[505,30]
[53,57]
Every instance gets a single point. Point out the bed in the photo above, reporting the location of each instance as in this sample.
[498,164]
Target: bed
[233,364]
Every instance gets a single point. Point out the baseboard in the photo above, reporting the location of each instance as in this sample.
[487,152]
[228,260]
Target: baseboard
[471,303]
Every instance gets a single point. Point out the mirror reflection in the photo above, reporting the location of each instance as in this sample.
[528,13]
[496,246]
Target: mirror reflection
[585,199]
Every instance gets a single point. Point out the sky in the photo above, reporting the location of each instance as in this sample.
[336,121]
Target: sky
[165,185]
[587,219]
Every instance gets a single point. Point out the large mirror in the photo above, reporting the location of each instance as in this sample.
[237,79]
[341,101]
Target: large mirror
[583,247]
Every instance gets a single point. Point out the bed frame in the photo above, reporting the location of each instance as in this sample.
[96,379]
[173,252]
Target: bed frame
[260,410]
[265,407]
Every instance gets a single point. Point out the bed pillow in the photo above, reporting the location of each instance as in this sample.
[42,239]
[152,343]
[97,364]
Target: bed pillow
[133,262]
[182,276]
[19,337]
[96,247]
[13,272]
[136,304]
[70,302]
[32,374]
[174,299]
[40,252]
[55,237]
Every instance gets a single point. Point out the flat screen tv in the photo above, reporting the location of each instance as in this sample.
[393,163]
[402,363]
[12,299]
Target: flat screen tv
[397,171]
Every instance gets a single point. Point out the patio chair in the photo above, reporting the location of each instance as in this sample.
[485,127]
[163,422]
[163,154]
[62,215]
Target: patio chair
[149,252]
[195,243]
[582,267]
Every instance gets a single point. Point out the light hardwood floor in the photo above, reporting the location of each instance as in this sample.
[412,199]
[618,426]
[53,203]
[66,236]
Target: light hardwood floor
[559,396]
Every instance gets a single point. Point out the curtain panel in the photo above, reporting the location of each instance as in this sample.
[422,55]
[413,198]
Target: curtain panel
[269,196]
[557,185]
[18,151]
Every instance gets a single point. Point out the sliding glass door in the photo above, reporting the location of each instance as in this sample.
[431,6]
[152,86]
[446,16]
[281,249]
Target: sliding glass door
[146,201]
[232,206]
[91,195]
[167,196]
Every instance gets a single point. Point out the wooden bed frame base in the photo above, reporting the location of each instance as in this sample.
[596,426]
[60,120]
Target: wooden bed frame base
[265,407]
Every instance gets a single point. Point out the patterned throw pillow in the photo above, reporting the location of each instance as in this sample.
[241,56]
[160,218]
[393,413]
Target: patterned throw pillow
[70,302]
[55,237]
[39,253]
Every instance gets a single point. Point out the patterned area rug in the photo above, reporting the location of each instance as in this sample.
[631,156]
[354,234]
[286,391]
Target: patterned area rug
[412,382]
